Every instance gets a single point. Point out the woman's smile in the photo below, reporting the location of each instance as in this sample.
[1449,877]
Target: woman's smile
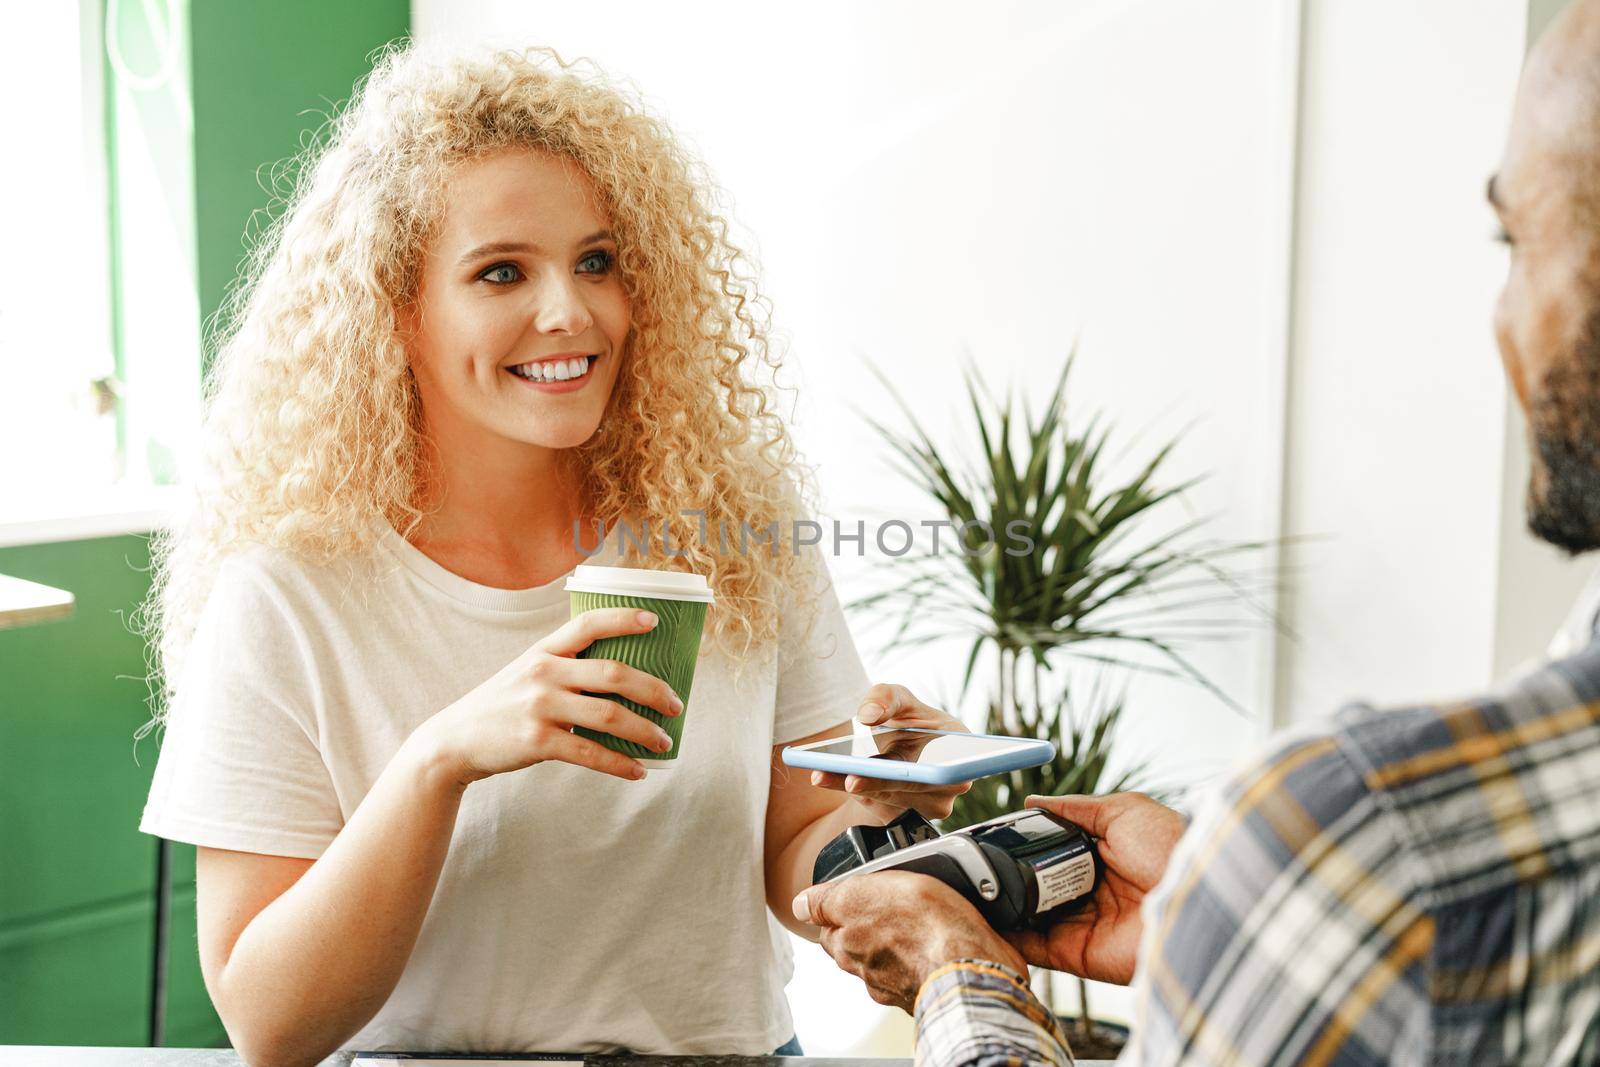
[554,375]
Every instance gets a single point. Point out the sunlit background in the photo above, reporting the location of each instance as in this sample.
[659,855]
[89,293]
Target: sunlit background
[1260,224]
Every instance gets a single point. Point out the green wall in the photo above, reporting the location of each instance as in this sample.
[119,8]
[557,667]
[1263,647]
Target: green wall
[76,903]
[265,74]
[77,882]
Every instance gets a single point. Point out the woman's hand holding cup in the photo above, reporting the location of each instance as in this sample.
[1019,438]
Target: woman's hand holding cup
[525,713]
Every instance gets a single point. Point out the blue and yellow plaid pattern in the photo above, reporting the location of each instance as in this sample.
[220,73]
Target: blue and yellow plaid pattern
[1419,886]
[978,1012]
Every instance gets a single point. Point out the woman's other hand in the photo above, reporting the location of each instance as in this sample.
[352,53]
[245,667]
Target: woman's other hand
[525,713]
[896,706]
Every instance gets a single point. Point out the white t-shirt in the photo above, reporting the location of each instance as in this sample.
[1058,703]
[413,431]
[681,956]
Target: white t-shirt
[575,911]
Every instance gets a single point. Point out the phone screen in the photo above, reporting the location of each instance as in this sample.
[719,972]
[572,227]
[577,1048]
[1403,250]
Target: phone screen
[916,746]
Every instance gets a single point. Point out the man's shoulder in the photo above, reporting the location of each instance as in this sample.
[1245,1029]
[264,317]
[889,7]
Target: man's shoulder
[1491,788]
[1476,789]
[1305,758]
[1413,752]
[1376,844]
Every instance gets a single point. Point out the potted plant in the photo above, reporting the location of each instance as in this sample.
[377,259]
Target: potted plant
[1108,581]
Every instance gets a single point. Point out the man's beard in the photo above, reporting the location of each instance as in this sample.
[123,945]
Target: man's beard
[1565,419]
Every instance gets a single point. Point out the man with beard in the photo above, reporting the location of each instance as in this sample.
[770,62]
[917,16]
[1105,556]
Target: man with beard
[1410,886]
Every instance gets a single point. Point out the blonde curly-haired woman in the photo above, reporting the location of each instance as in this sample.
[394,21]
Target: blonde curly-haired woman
[368,671]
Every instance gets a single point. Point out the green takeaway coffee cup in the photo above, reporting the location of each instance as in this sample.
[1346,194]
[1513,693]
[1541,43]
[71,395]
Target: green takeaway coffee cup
[668,651]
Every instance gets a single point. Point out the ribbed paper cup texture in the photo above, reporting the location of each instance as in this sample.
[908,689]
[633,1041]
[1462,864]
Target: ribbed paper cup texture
[668,651]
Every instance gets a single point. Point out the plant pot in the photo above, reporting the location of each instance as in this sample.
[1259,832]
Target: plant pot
[1106,1042]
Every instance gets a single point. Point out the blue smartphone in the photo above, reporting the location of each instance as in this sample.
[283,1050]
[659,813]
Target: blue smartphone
[908,754]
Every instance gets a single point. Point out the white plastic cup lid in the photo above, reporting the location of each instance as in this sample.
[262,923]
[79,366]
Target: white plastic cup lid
[639,581]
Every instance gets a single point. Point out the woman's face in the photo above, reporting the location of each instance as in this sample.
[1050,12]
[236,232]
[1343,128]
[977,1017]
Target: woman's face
[520,280]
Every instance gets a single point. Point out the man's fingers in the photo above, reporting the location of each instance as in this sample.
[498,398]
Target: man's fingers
[1024,941]
[1094,814]
[886,997]
[832,904]
[864,899]
[1064,947]
[810,905]
[1033,947]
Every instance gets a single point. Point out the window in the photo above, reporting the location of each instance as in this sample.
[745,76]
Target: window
[99,327]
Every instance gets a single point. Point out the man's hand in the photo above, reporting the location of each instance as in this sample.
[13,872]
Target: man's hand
[886,798]
[892,929]
[1101,939]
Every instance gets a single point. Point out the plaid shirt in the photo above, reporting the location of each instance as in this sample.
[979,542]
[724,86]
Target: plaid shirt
[1416,887]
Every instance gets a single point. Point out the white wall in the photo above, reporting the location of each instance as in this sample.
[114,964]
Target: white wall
[1402,461]
[916,178]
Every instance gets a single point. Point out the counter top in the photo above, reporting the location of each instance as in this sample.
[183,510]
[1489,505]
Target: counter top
[81,1056]
[23,603]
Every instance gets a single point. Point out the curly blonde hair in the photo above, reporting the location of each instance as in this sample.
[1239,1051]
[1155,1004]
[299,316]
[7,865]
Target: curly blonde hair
[313,428]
